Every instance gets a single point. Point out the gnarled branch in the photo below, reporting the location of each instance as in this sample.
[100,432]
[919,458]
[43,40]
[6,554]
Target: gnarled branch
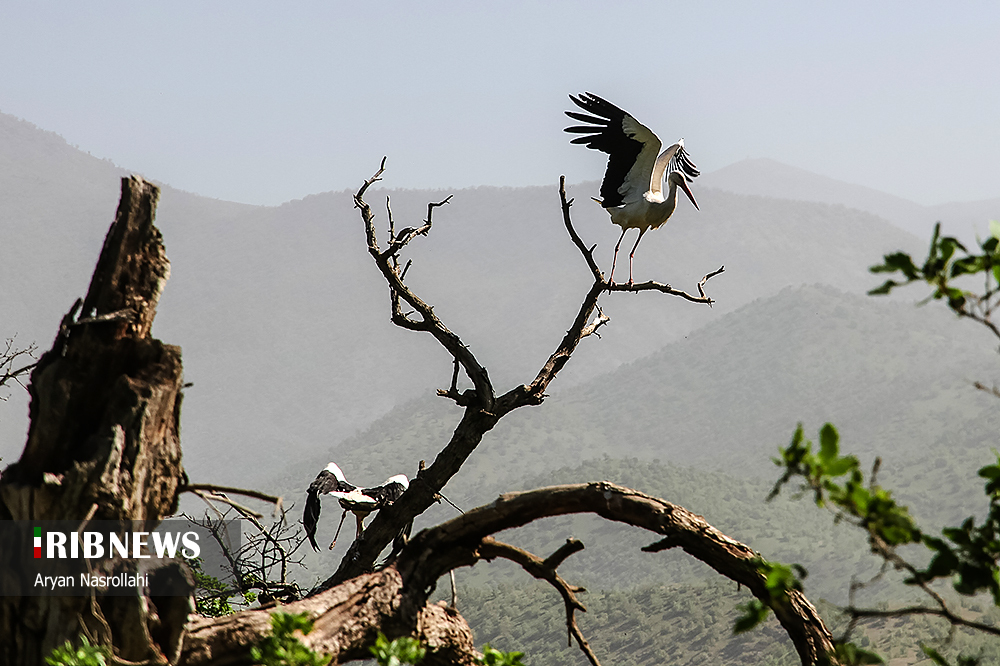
[395,599]
[483,409]
[546,570]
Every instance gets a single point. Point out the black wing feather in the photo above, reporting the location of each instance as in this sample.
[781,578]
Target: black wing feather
[323,484]
[311,515]
[587,119]
[385,495]
[681,162]
[607,136]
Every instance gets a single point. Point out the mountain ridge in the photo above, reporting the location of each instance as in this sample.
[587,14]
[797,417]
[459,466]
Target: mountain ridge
[284,321]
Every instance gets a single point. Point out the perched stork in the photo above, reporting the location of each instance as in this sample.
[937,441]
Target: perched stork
[359,501]
[632,191]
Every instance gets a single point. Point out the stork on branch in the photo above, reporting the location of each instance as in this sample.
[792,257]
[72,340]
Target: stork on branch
[632,191]
[483,406]
[359,501]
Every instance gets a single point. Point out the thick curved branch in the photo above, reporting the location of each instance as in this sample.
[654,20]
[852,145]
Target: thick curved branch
[346,620]
[395,599]
[434,551]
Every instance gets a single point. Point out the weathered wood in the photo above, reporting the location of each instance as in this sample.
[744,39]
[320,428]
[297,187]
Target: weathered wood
[103,442]
[346,620]
[394,600]
[436,550]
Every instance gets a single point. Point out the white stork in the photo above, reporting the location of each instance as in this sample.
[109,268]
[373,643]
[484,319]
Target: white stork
[632,191]
[359,501]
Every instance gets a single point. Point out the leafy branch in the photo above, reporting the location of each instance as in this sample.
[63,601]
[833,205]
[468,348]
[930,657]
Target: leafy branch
[282,646]
[949,260]
[967,555]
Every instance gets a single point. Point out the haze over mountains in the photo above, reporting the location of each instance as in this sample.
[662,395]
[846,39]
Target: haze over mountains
[284,325]
[766,177]
[284,321]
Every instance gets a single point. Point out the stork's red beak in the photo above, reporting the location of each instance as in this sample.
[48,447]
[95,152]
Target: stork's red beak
[687,191]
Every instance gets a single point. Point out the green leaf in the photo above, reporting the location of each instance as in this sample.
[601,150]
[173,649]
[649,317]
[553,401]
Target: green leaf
[85,655]
[828,442]
[886,287]
[754,612]
[990,472]
[850,654]
[934,655]
[494,657]
[402,650]
[842,466]
[282,648]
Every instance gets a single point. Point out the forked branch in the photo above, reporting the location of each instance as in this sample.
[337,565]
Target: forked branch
[394,600]
[546,570]
[483,409]
[8,355]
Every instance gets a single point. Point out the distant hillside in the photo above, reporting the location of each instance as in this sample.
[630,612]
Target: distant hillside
[686,625]
[785,530]
[769,178]
[895,379]
[284,321]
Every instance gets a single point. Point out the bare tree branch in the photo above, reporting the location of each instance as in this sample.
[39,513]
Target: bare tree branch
[945,613]
[256,494]
[457,542]
[7,357]
[394,600]
[651,285]
[546,570]
[588,254]
[483,409]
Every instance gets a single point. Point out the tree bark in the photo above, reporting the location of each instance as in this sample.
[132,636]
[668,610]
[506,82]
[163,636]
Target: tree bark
[103,444]
[347,618]
[394,600]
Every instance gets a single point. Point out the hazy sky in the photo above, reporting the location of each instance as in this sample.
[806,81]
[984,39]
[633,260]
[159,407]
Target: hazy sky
[266,102]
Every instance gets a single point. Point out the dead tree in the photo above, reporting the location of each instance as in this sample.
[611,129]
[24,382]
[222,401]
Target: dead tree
[103,444]
[111,451]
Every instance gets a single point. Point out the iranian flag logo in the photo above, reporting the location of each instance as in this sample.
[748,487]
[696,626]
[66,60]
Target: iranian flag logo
[38,542]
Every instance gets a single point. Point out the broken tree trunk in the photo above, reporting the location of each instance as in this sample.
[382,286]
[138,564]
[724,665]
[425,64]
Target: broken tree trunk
[103,444]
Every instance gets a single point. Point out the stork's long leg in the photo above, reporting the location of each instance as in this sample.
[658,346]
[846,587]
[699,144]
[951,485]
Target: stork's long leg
[342,517]
[632,254]
[611,278]
[361,525]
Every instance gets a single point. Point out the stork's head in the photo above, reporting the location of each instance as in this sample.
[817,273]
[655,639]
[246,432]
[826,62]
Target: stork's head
[677,178]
